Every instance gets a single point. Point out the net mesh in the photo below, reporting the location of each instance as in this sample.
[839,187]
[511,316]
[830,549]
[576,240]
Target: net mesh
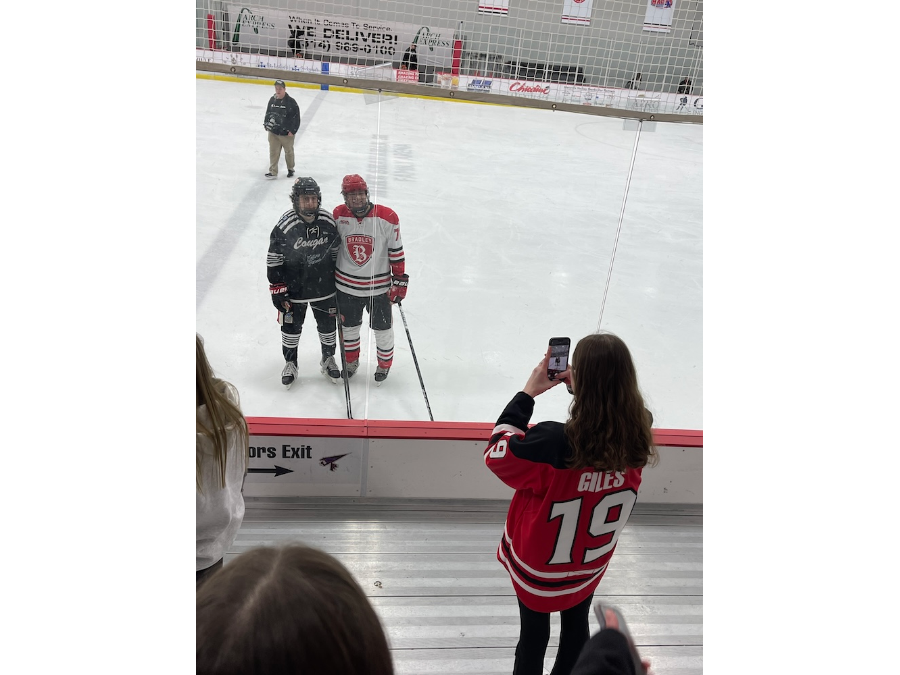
[637,54]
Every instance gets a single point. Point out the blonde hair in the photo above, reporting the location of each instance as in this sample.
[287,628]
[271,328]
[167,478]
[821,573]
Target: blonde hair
[223,415]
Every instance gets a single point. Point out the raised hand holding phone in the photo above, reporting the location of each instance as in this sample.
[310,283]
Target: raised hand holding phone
[539,382]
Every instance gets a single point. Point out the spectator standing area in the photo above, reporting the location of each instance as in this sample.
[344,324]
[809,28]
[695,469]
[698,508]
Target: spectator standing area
[430,570]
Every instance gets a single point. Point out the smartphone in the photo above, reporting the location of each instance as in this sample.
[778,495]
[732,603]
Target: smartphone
[559,356]
[599,610]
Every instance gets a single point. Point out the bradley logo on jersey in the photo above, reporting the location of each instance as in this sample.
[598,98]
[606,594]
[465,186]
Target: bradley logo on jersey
[359,247]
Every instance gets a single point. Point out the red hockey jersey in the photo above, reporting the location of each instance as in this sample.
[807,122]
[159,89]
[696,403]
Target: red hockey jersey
[563,524]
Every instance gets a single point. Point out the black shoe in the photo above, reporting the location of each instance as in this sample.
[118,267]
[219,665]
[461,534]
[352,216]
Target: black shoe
[290,173]
[271,175]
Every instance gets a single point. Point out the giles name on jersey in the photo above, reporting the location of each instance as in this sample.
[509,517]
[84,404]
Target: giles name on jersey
[594,481]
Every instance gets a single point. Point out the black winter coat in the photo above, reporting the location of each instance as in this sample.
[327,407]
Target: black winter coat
[282,116]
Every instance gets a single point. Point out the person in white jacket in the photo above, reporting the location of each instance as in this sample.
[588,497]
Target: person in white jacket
[222,459]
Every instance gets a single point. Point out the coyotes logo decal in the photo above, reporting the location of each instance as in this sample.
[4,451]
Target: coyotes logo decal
[359,247]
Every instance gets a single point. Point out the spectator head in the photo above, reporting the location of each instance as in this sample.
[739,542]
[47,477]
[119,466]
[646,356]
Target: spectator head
[608,426]
[290,610]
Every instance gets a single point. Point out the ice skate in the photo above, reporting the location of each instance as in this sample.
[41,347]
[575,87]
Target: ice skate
[330,369]
[352,367]
[381,374]
[289,374]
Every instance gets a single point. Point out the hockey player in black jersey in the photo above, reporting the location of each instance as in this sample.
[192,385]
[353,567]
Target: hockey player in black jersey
[300,266]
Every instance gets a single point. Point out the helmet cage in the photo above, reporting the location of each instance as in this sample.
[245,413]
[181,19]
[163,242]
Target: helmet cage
[305,186]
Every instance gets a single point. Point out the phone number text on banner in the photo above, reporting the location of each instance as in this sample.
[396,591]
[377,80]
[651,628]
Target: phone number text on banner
[305,35]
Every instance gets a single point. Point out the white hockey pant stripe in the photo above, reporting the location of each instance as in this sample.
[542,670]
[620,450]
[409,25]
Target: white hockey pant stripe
[351,337]
[384,344]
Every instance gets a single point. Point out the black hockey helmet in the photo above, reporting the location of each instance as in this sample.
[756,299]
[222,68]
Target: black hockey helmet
[305,186]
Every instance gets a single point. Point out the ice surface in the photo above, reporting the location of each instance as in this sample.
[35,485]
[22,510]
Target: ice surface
[508,218]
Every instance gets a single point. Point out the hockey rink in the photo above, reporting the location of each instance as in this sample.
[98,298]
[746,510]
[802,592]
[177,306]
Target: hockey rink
[508,218]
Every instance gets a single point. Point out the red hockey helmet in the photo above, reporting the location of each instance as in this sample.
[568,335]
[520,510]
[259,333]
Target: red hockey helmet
[353,183]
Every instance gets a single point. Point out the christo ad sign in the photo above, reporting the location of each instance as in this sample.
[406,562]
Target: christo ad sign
[321,37]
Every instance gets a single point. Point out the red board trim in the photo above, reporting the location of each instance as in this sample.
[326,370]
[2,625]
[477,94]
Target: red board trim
[432,431]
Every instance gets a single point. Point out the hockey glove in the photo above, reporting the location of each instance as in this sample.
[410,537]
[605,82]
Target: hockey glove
[280,296]
[397,291]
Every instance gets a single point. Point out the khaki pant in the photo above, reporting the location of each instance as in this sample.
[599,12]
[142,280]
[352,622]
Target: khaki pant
[276,143]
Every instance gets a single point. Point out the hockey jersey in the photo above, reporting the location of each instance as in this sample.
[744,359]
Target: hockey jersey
[371,251]
[302,255]
[563,524]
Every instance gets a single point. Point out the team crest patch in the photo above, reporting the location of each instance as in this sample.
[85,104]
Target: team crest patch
[359,246]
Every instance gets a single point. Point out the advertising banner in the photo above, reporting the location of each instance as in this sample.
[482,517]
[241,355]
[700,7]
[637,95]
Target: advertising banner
[322,466]
[481,84]
[577,11]
[609,97]
[658,18]
[308,36]
[539,90]
[407,75]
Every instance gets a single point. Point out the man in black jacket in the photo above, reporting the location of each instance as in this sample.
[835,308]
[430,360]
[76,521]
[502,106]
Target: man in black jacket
[282,121]
[410,60]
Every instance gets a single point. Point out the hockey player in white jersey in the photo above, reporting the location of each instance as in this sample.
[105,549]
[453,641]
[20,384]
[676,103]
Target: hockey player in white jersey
[371,272]
[300,267]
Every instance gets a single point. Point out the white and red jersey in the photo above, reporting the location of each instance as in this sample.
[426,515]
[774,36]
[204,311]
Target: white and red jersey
[563,524]
[371,251]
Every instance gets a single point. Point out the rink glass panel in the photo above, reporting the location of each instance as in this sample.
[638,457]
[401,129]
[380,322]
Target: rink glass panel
[655,297]
[508,218]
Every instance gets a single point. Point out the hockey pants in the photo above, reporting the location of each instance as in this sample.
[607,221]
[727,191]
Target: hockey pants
[380,321]
[325,312]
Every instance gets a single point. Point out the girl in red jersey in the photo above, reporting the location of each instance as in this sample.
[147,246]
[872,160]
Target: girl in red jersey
[576,484]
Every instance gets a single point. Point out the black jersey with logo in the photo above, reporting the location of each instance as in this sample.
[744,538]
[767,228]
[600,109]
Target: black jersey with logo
[302,256]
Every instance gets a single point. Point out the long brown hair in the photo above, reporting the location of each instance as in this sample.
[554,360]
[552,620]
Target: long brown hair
[223,415]
[288,610]
[608,426]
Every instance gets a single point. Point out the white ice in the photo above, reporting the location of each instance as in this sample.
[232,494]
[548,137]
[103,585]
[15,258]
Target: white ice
[508,218]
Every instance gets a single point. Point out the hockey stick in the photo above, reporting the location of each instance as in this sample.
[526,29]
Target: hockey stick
[344,376]
[415,360]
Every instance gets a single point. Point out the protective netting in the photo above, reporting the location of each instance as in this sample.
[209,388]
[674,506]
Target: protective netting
[632,54]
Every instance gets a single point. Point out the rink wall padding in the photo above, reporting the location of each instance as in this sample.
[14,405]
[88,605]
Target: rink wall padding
[422,460]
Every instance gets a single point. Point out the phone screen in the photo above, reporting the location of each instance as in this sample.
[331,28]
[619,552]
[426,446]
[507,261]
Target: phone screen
[559,356]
